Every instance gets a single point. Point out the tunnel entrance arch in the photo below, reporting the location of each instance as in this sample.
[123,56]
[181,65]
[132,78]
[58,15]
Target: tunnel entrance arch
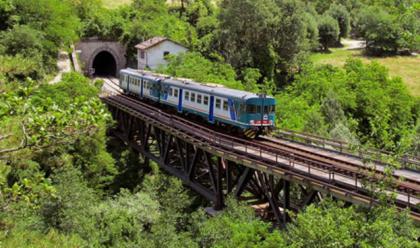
[101,57]
[104,64]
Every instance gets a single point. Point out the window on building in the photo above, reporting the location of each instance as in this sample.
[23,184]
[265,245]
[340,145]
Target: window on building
[142,54]
[206,100]
[218,101]
[187,95]
[192,97]
[225,105]
[199,97]
[176,93]
[166,53]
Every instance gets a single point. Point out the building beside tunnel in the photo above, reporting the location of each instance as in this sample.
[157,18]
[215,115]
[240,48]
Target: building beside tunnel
[151,53]
[101,58]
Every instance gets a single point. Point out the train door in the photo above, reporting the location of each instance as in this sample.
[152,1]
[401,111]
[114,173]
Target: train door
[180,96]
[211,109]
[141,88]
[232,110]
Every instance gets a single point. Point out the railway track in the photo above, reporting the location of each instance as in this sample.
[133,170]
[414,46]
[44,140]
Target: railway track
[334,171]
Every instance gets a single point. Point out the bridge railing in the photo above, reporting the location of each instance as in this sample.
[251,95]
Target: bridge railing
[380,156]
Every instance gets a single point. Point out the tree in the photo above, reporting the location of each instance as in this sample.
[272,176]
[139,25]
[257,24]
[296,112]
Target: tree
[388,32]
[340,13]
[247,29]
[328,31]
[195,66]
[268,35]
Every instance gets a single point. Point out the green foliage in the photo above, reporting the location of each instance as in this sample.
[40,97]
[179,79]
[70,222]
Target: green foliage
[20,68]
[332,225]
[386,32]
[361,98]
[52,239]
[237,226]
[34,31]
[328,31]
[195,66]
[274,37]
[122,221]
[340,13]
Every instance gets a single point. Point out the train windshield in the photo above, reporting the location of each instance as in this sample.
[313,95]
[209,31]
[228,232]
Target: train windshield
[256,109]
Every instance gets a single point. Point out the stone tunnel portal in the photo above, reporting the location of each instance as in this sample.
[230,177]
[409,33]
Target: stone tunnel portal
[104,64]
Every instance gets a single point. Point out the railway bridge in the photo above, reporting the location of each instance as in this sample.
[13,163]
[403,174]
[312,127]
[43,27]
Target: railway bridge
[274,173]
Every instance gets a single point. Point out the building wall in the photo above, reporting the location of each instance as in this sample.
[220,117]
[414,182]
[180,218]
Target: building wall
[154,56]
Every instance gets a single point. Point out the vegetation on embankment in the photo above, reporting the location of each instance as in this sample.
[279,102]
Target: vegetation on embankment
[63,182]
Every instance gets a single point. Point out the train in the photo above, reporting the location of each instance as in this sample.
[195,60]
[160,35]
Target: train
[247,113]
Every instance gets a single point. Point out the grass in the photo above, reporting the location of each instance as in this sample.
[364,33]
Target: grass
[406,67]
[112,4]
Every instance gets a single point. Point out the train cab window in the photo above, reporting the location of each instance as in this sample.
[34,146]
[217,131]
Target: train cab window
[206,100]
[175,92]
[218,101]
[225,105]
[199,97]
[192,97]
[187,95]
[269,109]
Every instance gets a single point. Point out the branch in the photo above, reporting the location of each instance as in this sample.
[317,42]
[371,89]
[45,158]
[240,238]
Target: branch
[23,143]
[5,136]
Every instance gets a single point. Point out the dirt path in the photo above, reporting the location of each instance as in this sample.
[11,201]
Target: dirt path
[63,64]
[350,44]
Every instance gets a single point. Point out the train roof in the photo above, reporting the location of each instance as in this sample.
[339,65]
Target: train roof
[192,85]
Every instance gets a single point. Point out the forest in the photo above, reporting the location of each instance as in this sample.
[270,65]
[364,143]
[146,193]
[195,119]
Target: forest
[65,183]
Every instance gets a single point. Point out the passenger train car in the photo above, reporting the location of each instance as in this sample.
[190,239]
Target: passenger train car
[250,113]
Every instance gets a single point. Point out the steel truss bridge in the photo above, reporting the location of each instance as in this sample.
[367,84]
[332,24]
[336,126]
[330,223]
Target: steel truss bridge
[275,173]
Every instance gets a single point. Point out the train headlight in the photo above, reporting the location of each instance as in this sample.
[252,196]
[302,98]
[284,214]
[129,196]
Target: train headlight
[251,122]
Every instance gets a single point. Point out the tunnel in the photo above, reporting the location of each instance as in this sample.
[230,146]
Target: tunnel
[104,64]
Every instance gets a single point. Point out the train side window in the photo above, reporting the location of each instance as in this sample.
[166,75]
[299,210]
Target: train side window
[225,105]
[199,97]
[187,95]
[206,100]
[175,92]
[171,92]
[192,97]
[218,101]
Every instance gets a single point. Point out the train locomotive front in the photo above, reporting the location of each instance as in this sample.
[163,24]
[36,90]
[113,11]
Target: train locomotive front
[259,114]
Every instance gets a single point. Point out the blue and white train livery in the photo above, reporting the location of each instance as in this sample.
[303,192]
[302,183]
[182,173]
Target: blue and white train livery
[251,113]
